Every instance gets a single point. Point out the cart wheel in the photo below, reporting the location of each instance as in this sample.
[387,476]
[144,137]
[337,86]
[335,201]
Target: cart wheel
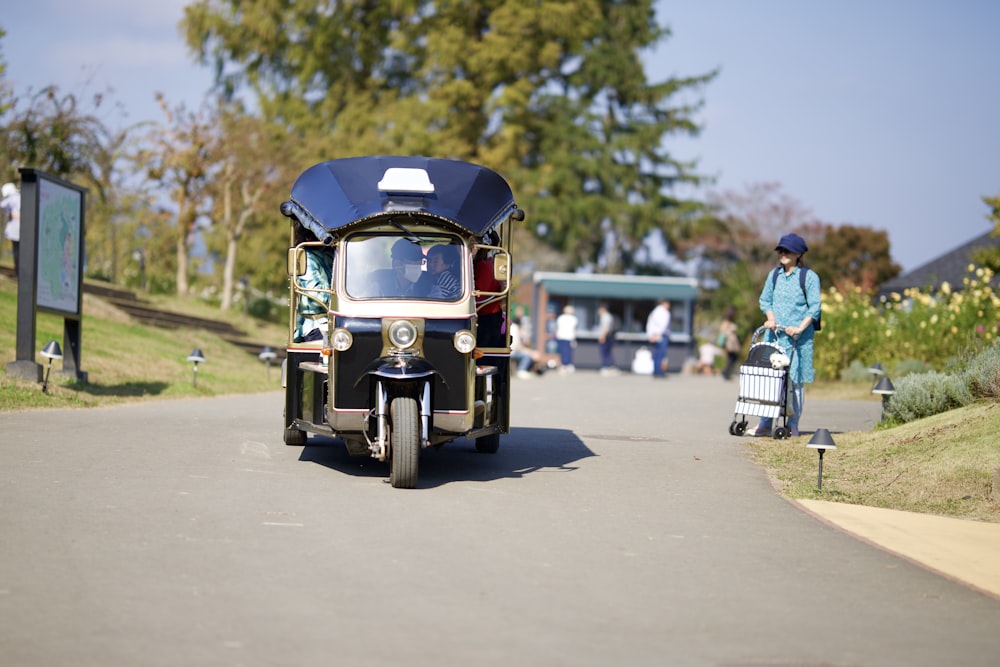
[741,428]
[781,433]
[732,428]
[404,439]
[295,437]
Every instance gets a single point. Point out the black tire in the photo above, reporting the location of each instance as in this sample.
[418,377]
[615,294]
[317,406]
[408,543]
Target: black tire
[741,428]
[404,439]
[488,444]
[781,433]
[732,429]
[295,437]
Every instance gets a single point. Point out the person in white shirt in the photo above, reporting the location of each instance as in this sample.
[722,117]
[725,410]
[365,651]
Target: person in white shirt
[10,204]
[566,338]
[658,334]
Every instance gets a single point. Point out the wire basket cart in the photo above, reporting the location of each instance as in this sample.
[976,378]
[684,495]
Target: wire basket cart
[763,386]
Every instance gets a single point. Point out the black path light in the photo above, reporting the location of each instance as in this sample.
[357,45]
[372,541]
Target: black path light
[876,371]
[821,441]
[884,387]
[196,357]
[50,351]
[267,355]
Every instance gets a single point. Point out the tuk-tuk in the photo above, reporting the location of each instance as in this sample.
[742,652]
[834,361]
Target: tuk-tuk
[399,280]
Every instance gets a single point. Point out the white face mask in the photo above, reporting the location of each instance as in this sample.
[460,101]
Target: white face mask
[411,272]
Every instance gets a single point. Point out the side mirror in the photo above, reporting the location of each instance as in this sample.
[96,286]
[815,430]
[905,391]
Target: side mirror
[501,267]
[296,261]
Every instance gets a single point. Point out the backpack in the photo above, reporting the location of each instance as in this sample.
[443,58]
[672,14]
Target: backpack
[818,322]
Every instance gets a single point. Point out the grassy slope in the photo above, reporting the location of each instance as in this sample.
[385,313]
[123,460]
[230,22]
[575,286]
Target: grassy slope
[127,361]
[940,465]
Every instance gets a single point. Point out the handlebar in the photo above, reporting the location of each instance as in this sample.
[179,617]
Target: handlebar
[779,329]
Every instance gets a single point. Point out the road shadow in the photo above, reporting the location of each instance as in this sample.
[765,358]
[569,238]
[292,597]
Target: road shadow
[135,389]
[522,452]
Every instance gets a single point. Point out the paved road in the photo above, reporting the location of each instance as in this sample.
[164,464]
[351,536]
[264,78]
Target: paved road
[619,524]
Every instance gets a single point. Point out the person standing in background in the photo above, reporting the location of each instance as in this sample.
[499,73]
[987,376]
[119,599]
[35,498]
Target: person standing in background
[658,335]
[566,338]
[606,339]
[729,336]
[11,206]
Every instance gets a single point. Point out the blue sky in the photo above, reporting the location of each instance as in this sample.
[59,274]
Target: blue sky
[881,113]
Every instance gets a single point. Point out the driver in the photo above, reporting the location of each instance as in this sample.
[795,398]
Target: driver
[407,267]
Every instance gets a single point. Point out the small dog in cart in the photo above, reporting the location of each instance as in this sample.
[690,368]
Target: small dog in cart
[763,386]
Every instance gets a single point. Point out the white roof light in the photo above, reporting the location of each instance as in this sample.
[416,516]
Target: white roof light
[405,179]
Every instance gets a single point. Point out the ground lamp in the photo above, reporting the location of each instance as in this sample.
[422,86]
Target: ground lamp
[267,355]
[196,357]
[821,441]
[50,351]
[877,371]
[884,387]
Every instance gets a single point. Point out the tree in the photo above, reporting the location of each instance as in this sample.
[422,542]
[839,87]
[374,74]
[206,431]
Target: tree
[63,134]
[52,132]
[181,156]
[116,205]
[750,222]
[551,93]
[244,192]
[990,257]
[6,94]
[847,256]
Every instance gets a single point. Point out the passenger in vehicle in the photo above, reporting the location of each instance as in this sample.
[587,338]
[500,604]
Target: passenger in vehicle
[491,331]
[402,278]
[312,313]
[442,280]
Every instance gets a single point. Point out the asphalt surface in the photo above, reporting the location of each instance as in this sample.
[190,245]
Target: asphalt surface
[618,524]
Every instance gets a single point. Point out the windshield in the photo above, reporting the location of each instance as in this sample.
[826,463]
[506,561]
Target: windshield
[397,266]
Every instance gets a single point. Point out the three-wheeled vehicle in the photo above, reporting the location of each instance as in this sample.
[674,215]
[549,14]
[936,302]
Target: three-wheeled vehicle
[399,279]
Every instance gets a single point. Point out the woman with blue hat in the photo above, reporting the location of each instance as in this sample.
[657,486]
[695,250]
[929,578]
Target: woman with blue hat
[790,302]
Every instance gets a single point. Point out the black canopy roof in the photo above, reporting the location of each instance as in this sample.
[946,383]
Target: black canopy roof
[335,194]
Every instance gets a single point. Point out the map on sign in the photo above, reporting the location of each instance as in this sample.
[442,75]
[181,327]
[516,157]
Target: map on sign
[59,245]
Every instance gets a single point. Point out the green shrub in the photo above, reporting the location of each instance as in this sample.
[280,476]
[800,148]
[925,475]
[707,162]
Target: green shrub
[982,374]
[264,308]
[856,373]
[921,395]
[910,367]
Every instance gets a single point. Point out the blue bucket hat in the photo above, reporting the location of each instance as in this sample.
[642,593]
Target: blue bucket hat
[794,243]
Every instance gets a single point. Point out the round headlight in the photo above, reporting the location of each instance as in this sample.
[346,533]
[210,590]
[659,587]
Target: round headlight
[465,342]
[402,334]
[341,340]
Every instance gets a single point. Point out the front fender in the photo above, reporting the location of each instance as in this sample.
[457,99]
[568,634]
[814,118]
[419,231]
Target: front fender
[399,368]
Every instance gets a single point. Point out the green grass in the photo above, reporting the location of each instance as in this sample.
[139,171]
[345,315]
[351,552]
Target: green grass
[128,362]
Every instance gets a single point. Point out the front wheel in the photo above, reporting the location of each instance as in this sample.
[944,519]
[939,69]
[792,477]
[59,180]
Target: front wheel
[488,444]
[405,443]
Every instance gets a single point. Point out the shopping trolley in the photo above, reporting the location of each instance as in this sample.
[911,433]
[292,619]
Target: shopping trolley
[764,385]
